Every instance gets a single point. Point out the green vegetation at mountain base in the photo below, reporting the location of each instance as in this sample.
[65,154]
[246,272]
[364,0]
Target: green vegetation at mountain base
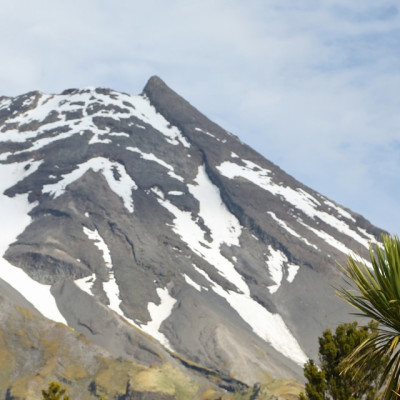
[281,389]
[277,389]
[54,392]
[335,379]
[375,293]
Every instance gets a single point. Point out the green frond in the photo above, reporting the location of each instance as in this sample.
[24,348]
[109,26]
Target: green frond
[375,293]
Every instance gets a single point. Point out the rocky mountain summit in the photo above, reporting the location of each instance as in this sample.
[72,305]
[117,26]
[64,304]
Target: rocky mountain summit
[162,238]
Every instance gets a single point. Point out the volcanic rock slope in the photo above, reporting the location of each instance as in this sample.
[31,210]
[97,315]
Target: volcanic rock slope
[126,214]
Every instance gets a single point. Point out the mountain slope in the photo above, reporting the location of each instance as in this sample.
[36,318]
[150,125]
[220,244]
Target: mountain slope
[142,208]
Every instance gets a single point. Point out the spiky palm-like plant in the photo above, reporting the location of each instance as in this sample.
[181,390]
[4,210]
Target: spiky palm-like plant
[377,296]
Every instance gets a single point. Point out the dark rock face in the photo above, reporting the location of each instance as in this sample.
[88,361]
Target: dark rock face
[142,206]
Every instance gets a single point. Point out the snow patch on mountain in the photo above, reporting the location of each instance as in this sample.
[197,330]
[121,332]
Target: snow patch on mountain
[205,132]
[159,313]
[152,157]
[290,230]
[340,210]
[5,103]
[192,234]
[203,273]
[370,237]
[192,283]
[223,226]
[110,287]
[100,244]
[292,272]
[297,197]
[18,136]
[336,244]
[158,192]
[37,294]
[146,112]
[268,326]
[122,186]
[14,219]
[86,283]
[118,134]
[275,263]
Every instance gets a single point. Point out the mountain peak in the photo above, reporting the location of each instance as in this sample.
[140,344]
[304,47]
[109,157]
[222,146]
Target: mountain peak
[142,209]
[157,90]
[154,81]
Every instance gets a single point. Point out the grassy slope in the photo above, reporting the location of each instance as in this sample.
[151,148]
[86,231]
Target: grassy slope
[35,351]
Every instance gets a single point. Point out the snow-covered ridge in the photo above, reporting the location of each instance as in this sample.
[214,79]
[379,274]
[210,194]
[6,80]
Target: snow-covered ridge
[335,243]
[52,113]
[297,197]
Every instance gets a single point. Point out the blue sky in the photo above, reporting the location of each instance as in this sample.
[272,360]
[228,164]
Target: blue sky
[312,85]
